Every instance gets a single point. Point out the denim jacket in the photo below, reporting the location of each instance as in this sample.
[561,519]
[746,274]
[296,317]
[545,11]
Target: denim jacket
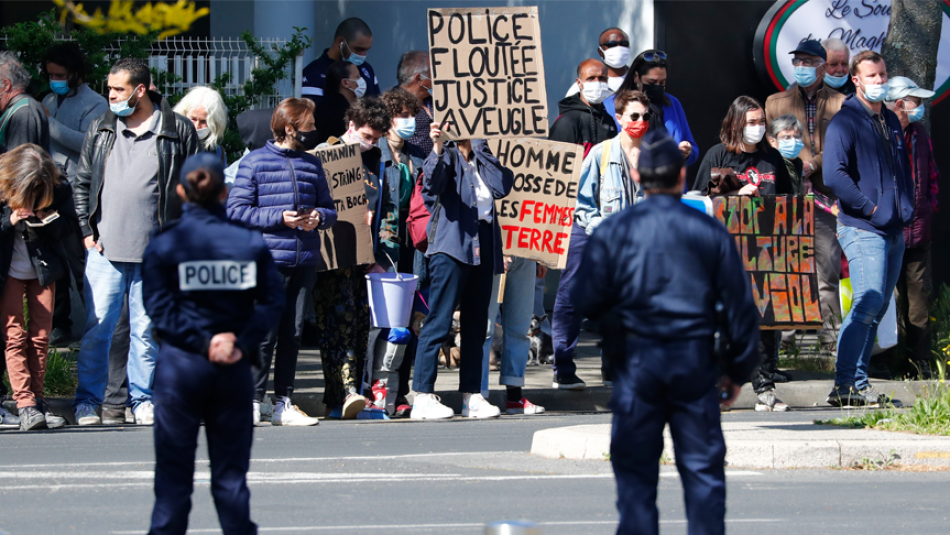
[449,194]
[599,196]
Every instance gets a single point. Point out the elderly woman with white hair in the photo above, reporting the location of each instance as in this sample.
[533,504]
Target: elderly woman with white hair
[205,108]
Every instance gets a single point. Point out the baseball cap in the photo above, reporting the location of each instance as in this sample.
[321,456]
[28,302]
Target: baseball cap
[900,87]
[811,47]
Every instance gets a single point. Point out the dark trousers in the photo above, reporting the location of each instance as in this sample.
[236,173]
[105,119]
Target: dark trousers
[117,389]
[768,364]
[565,324]
[76,267]
[284,341]
[675,384]
[469,288]
[189,389]
[913,301]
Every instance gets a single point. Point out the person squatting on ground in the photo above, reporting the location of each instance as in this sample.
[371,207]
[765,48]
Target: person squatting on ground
[461,181]
[282,192]
[654,276]
[606,188]
[37,217]
[124,190]
[213,291]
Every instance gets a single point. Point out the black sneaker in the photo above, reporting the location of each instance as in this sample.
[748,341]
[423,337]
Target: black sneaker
[778,376]
[59,337]
[569,382]
[113,415]
[52,421]
[31,418]
[845,396]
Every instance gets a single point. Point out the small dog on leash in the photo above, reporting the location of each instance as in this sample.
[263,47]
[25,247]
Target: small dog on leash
[542,347]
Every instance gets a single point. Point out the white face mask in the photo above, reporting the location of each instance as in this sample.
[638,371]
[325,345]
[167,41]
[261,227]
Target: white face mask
[617,56]
[360,87]
[753,134]
[874,92]
[352,136]
[594,92]
[203,133]
[614,83]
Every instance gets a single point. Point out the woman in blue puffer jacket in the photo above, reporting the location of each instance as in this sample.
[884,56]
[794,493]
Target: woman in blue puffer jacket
[282,191]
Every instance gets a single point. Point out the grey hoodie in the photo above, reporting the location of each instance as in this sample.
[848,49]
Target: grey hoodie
[68,123]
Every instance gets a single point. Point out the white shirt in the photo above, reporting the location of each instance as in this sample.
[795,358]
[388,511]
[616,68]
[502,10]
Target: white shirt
[483,197]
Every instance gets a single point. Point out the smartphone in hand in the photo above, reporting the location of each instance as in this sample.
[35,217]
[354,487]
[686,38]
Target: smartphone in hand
[305,211]
[36,222]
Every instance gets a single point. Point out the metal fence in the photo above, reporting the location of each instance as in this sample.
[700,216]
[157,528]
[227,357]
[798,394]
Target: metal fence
[201,60]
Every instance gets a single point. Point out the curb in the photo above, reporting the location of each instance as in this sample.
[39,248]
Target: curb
[592,442]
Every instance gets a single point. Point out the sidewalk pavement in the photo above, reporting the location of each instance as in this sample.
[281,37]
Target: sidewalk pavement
[808,389]
[769,444]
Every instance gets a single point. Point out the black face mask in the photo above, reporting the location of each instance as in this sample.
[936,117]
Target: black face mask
[654,92]
[308,140]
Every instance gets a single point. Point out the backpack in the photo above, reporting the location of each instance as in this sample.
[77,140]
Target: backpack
[418,220]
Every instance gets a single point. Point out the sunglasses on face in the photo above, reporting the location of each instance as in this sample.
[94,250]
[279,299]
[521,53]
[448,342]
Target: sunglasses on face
[636,116]
[611,44]
[654,55]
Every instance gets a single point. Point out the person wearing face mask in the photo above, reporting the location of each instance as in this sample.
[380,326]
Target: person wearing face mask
[124,190]
[207,111]
[867,168]
[342,90]
[583,119]
[614,51]
[906,99]
[351,43]
[413,75]
[760,170]
[22,118]
[340,296]
[606,188]
[814,104]
[649,70]
[281,190]
[836,67]
[70,107]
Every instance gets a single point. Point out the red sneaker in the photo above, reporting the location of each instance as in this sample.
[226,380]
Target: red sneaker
[379,394]
[523,407]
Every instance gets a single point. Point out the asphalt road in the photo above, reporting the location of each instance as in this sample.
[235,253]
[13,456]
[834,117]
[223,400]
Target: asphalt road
[429,477]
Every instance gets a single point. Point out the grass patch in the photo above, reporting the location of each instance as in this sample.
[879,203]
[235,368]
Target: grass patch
[929,415]
[60,378]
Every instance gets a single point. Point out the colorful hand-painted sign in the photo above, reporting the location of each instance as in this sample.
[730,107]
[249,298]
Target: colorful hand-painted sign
[775,236]
[861,24]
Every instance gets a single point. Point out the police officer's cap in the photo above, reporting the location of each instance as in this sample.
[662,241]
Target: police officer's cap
[659,152]
[203,160]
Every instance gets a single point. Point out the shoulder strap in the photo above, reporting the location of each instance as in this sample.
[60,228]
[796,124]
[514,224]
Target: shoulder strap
[605,159]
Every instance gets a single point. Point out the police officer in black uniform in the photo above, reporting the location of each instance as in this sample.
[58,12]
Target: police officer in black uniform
[213,292]
[653,275]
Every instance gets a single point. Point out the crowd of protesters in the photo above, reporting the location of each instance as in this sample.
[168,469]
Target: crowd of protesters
[85,181]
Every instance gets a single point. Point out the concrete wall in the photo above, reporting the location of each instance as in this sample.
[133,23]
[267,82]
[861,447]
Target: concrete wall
[569,30]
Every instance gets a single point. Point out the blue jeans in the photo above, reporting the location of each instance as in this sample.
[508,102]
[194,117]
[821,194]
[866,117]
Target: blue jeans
[565,324]
[515,320]
[875,265]
[105,287]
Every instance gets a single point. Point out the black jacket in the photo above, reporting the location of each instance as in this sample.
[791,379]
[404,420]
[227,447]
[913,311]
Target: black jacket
[176,141]
[44,244]
[582,124]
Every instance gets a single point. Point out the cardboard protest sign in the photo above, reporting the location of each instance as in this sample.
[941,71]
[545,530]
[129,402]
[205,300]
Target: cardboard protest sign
[350,241]
[487,72]
[536,217]
[775,236]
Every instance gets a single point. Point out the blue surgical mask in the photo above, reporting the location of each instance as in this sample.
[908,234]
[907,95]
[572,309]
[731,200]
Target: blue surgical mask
[915,114]
[789,148]
[836,81]
[122,108]
[874,92]
[805,76]
[405,127]
[60,87]
[353,58]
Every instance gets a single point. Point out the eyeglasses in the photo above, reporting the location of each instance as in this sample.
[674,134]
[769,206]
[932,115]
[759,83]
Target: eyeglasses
[636,116]
[807,62]
[611,44]
[654,56]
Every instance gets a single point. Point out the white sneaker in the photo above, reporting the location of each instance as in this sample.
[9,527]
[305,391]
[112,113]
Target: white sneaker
[430,407]
[144,413]
[768,402]
[256,413]
[8,420]
[475,406]
[86,415]
[352,406]
[286,413]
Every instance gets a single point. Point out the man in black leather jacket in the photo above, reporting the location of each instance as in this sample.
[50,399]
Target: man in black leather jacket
[125,189]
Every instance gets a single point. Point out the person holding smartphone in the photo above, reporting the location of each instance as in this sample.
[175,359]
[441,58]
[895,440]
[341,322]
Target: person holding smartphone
[282,191]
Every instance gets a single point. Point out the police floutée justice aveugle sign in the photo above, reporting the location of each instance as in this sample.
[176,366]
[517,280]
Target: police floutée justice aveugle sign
[536,217]
[487,72]
[775,236]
